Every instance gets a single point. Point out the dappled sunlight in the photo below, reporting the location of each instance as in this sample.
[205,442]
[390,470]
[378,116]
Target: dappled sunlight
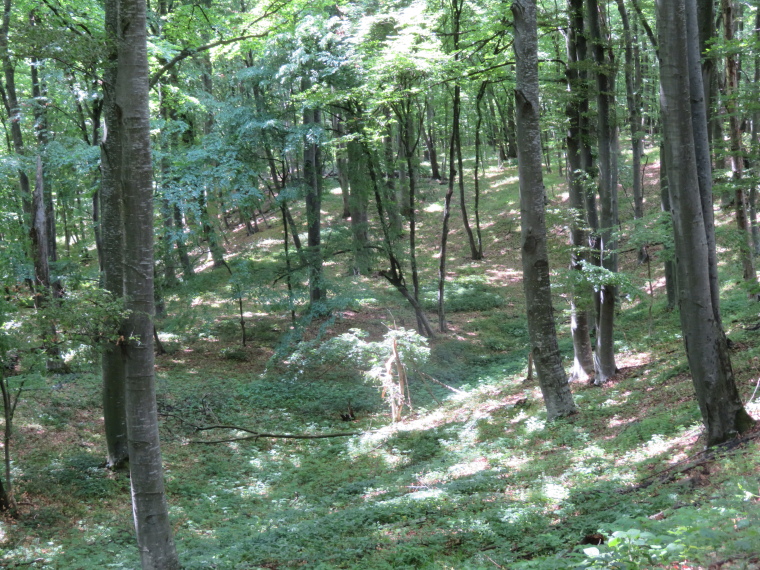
[433,208]
[504,275]
[468,467]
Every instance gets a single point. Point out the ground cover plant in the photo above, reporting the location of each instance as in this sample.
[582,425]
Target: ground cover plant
[472,476]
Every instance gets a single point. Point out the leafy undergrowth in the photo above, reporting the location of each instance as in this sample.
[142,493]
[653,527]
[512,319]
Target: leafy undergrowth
[473,477]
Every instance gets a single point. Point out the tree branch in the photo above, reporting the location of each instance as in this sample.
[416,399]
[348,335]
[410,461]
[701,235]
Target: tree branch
[188,52]
[256,435]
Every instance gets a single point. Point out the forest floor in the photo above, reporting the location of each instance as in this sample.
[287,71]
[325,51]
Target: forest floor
[472,477]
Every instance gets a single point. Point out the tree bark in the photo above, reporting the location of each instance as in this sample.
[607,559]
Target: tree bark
[358,200]
[536,281]
[633,96]
[604,358]
[580,298]
[736,150]
[152,525]
[12,107]
[706,347]
[313,174]
[112,235]
[435,171]
[671,275]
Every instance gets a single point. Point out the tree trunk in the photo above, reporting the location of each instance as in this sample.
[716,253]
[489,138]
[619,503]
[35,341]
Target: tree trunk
[755,147]
[736,148]
[184,258]
[12,107]
[580,299]
[633,96]
[446,217]
[313,174]
[543,338]
[604,358]
[152,525]
[112,234]
[706,347]
[358,201]
[478,163]
[671,275]
[435,171]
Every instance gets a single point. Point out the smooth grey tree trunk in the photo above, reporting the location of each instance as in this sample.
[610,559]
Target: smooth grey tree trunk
[580,299]
[149,506]
[697,43]
[604,357]
[535,260]
[722,411]
[312,159]
[755,146]
[356,172]
[671,287]
[12,107]
[435,170]
[112,238]
[633,97]
[736,150]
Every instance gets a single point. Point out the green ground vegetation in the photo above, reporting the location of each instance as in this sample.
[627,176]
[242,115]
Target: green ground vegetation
[472,477]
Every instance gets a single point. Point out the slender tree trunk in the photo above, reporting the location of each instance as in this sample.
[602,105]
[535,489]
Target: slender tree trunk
[112,234]
[446,217]
[430,140]
[736,148]
[706,347]
[358,201]
[184,258]
[478,162]
[632,91]
[341,165]
[755,147]
[671,275]
[511,128]
[394,275]
[607,136]
[7,500]
[543,338]
[580,299]
[39,94]
[313,175]
[12,107]
[152,525]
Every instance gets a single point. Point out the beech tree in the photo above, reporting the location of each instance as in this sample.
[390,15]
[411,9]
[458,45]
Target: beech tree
[685,131]
[535,258]
[154,534]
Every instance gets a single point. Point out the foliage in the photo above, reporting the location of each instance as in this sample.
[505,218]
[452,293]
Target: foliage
[466,294]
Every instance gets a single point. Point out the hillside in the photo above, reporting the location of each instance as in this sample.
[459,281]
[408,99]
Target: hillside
[472,477]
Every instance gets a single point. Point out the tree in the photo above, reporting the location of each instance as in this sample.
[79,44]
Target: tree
[578,164]
[154,534]
[722,411]
[535,261]
[604,357]
[736,150]
[112,238]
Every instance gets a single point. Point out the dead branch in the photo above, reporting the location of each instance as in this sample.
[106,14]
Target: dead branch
[255,435]
[429,377]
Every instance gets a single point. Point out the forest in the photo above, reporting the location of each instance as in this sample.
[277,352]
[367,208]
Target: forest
[381,284]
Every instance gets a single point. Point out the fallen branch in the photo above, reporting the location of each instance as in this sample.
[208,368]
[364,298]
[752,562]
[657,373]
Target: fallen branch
[429,377]
[255,435]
